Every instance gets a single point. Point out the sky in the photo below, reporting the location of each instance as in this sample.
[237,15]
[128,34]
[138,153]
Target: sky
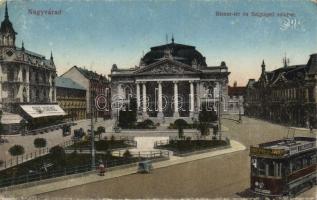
[96,34]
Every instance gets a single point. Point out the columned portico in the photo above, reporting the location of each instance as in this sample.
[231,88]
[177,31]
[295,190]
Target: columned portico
[171,84]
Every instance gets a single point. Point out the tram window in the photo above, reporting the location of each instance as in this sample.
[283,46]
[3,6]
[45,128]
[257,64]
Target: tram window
[297,165]
[313,159]
[305,162]
[271,168]
[261,168]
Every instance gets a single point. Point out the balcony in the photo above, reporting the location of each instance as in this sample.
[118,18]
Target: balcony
[40,83]
[10,100]
[12,81]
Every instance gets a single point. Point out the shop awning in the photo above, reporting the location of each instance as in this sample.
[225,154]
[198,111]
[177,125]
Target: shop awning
[10,118]
[36,111]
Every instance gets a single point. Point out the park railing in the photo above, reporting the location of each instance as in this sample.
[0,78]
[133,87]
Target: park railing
[42,174]
[48,128]
[14,161]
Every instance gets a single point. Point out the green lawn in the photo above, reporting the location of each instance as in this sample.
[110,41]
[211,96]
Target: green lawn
[70,161]
[101,145]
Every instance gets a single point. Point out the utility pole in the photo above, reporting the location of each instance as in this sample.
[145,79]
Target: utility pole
[93,163]
[219,109]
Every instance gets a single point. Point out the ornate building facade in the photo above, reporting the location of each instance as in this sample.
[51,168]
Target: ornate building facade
[27,78]
[95,85]
[286,95]
[71,97]
[171,81]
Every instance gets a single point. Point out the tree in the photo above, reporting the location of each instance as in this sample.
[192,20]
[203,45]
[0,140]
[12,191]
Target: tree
[203,127]
[23,126]
[127,154]
[39,143]
[58,155]
[180,132]
[17,150]
[1,127]
[180,124]
[206,117]
[100,130]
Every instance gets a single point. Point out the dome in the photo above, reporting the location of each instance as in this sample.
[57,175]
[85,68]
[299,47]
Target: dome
[182,53]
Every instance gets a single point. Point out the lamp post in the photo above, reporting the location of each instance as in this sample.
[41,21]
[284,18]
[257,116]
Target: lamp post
[93,162]
[239,106]
[219,109]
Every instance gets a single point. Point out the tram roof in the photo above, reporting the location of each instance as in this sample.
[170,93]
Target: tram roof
[286,146]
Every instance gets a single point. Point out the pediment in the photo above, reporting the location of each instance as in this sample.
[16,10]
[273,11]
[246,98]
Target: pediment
[167,66]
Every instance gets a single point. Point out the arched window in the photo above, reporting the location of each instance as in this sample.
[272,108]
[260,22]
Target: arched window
[53,95]
[128,92]
[24,95]
[10,75]
[24,75]
[37,95]
[37,77]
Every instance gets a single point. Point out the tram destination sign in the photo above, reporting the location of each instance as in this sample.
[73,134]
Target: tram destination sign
[257,151]
[303,147]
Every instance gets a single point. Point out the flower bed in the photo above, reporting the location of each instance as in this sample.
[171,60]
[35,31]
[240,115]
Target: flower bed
[185,146]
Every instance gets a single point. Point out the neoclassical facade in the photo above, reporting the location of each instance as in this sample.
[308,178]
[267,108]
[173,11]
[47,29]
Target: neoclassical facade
[171,81]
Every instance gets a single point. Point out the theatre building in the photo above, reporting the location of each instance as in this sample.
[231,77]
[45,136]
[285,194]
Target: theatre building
[27,88]
[171,81]
[286,95]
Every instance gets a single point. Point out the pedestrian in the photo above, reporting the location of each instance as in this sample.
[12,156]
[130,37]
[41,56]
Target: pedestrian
[102,169]
[311,129]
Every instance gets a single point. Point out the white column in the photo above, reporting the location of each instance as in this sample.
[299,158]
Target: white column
[119,91]
[176,113]
[138,95]
[160,104]
[191,98]
[198,96]
[144,101]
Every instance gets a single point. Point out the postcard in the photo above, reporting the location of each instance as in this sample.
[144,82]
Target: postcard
[118,99]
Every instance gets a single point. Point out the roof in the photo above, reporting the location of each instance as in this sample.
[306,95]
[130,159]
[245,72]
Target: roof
[236,91]
[91,75]
[285,147]
[183,53]
[6,25]
[68,83]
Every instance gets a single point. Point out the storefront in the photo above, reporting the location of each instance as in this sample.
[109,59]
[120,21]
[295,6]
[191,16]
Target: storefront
[40,116]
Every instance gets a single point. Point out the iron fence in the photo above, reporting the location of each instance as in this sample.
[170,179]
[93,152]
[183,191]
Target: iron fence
[42,175]
[32,155]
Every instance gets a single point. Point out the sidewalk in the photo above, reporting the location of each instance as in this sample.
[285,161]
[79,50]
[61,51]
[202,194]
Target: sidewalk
[93,177]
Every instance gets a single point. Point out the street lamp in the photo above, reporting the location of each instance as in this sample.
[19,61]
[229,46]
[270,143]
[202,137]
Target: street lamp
[93,153]
[219,109]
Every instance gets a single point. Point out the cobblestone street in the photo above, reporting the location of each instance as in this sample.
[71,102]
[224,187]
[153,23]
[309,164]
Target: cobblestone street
[221,176]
